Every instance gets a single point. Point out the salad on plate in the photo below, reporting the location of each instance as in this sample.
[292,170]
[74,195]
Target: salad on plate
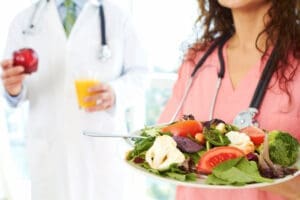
[215,153]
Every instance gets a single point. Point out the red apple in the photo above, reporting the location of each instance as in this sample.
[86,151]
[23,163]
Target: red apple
[27,58]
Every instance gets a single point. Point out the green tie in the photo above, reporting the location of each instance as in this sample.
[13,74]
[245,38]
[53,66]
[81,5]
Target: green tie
[70,16]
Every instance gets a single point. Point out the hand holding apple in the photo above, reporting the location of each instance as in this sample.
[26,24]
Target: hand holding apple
[27,58]
[12,77]
[24,61]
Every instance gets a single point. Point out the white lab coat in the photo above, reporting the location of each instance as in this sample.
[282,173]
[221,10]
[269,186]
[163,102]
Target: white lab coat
[64,164]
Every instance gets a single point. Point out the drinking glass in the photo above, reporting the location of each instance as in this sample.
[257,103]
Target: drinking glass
[84,80]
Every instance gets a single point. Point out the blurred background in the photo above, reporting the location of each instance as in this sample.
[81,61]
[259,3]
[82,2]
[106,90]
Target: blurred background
[165,27]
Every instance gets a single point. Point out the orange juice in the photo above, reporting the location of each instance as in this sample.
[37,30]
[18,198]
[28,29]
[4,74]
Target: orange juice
[82,86]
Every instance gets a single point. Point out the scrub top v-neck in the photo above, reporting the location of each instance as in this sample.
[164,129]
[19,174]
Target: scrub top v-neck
[275,111]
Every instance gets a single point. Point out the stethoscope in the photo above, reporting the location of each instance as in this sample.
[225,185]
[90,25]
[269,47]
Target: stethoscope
[104,51]
[246,117]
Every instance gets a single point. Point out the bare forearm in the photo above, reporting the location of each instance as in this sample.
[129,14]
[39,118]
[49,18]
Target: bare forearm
[289,190]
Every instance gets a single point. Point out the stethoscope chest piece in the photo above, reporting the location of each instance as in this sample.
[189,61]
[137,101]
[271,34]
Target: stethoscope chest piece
[246,118]
[105,53]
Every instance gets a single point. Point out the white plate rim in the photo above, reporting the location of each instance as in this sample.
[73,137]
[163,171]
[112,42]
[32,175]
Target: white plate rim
[200,182]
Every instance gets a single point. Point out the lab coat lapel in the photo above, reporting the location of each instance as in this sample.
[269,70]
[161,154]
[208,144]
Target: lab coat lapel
[54,16]
[78,22]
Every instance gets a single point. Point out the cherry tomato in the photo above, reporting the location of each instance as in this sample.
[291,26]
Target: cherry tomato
[215,156]
[256,135]
[200,138]
[184,128]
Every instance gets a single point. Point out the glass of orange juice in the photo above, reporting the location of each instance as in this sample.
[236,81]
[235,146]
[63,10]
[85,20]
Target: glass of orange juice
[83,81]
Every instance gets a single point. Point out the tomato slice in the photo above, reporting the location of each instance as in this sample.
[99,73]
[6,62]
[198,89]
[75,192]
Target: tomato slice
[215,156]
[184,128]
[256,134]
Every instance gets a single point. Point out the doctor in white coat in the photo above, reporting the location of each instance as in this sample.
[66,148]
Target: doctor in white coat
[64,164]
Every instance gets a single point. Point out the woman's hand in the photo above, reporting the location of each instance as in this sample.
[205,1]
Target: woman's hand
[12,77]
[103,95]
[289,190]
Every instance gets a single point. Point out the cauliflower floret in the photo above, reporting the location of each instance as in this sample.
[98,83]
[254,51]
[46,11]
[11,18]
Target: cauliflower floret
[221,127]
[241,141]
[163,153]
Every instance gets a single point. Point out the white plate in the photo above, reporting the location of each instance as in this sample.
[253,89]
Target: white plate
[200,183]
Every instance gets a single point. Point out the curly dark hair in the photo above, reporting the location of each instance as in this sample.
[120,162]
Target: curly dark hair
[284,22]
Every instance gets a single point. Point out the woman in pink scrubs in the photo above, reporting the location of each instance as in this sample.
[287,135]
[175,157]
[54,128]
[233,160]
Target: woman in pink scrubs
[256,27]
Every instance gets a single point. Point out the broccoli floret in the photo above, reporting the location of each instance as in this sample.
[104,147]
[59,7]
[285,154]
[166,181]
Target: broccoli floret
[283,148]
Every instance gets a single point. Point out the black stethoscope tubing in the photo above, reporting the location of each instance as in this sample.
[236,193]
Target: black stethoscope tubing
[264,81]
[102,25]
[219,42]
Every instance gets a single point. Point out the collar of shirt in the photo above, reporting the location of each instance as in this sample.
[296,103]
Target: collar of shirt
[79,3]
[62,10]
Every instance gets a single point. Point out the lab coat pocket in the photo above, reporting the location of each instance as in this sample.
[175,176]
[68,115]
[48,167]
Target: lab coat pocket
[39,158]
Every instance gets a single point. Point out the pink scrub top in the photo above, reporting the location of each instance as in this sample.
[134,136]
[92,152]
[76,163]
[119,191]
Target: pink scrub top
[275,112]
